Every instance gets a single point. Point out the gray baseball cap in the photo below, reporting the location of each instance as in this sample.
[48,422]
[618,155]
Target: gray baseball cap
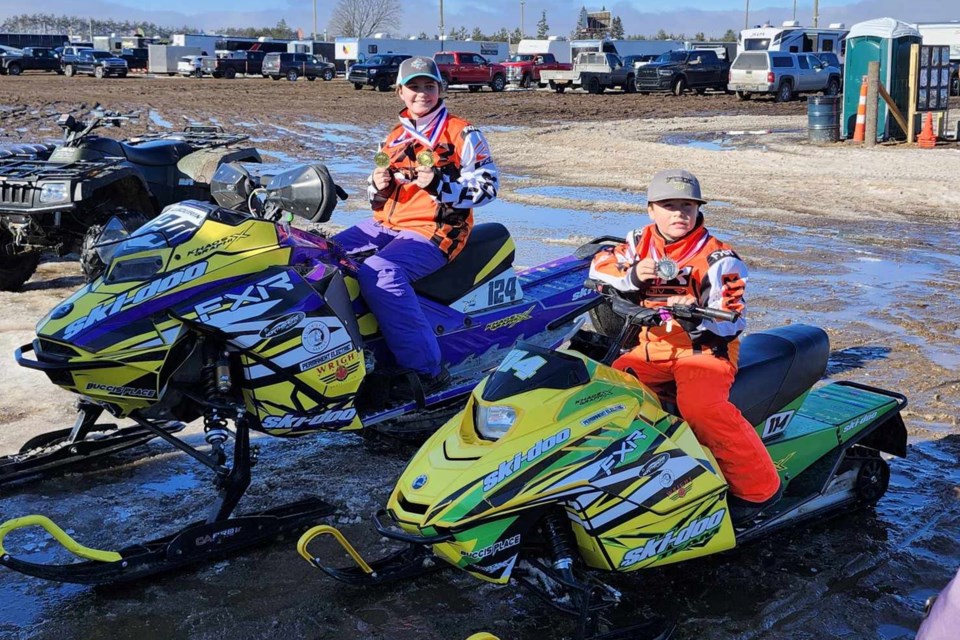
[418,66]
[670,184]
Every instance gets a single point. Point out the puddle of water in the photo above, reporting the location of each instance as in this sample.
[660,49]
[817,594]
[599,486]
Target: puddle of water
[687,140]
[176,483]
[586,193]
[327,130]
[158,120]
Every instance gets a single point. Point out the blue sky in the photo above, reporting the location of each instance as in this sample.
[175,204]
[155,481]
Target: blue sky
[712,17]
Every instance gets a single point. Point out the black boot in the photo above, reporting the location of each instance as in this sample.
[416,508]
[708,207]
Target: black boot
[430,383]
[743,511]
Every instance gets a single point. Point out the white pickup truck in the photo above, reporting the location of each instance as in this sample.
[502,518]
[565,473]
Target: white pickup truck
[594,71]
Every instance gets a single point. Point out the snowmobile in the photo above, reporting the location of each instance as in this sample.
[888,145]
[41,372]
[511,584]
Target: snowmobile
[211,312]
[60,199]
[561,466]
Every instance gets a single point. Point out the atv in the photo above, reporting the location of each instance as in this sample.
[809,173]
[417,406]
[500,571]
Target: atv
[59,202]
[561,467]
[231,315]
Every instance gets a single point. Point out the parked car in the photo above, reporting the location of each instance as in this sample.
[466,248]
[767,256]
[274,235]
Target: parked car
[594,71]
[782,74]
[379,72]
[524,69]
[678,71]
[471,69]
[248,63]
[100,64]
[293,65]
[187,65]
[30,59]
[68,57]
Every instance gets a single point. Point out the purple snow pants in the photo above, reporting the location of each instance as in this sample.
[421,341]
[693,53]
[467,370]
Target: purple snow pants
[402,257]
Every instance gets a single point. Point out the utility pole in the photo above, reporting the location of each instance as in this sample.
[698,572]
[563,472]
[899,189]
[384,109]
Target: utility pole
[441,25]
[746,16]
[522,2]
[816,13]
[314,35]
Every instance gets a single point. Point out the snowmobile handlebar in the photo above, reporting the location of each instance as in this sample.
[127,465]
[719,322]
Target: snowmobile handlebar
[647,317]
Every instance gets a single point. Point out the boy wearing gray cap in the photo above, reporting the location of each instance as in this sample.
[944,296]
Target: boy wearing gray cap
[432,170]
[701,358]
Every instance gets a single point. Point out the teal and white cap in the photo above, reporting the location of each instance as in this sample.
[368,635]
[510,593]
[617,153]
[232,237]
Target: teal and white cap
[416,67]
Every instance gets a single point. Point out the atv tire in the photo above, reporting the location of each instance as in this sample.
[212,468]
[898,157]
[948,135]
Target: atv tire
[605,321]
[93,267]
[17,268]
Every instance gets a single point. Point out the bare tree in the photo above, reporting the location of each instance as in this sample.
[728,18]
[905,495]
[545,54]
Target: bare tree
[361,18]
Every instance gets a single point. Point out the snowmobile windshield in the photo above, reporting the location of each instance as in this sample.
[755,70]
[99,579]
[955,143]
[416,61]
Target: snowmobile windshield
[176,225]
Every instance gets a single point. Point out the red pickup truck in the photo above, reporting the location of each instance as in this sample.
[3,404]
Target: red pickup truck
[471,69]
[524,69]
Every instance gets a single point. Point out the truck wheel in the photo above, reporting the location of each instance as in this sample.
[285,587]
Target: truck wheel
[499,83]
[383,84]
[833,87]
[15,269]
[593,85]
[474,88]
[679,86]
[444,81]
[701,91]
[560,88]
[292,75]
[274,77]
[630,86]
[122,74]
[327,75]
[68,70]
[14,70]
[525,81]
[784,93]
[743,95]
[357,86]
[230,73]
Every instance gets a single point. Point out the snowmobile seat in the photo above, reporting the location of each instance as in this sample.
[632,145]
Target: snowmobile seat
[489,251]
[156,153]
[776,366]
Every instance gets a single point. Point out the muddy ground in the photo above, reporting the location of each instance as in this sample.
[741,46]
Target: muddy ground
[861,242]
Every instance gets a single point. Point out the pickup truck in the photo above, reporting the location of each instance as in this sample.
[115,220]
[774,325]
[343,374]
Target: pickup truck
[678,71]
[524,69]
[239,62]
[68,58]
[100,64]
[594,71]
[379,71]
[471,69]
[32,59]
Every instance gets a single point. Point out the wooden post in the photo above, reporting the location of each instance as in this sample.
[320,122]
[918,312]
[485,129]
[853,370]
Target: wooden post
[912,100]
[873,81]
[892,106]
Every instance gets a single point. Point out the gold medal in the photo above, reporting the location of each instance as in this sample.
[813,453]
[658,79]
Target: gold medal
[425,158]
[381,159]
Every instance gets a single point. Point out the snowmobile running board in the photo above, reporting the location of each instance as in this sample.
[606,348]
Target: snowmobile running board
[50,452]
[198,542]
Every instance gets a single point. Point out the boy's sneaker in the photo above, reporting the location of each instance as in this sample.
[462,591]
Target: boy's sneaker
[743,511]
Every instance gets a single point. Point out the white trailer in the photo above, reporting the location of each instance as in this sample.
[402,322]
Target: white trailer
[163,58]
[625,47]
[352,50]
[556,45]
[941,33]
[794,38]
[205,42]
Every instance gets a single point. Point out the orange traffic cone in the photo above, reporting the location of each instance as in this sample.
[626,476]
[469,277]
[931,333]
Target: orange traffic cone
[927,139]
[860,131]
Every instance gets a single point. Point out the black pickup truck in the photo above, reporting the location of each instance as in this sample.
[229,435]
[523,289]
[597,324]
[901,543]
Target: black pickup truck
[379,71]
[678,71]
[239,62]
[32,59]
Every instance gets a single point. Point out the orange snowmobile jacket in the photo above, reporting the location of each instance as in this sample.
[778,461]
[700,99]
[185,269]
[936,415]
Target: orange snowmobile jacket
[466,178]
[710,271]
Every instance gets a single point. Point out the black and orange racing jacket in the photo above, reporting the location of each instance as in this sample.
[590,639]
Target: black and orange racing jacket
[466,178]
[710,271]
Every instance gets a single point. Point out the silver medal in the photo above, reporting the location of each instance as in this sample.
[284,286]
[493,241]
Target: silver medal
[666,269]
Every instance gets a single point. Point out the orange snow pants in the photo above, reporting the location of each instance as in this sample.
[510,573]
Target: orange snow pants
[703,397]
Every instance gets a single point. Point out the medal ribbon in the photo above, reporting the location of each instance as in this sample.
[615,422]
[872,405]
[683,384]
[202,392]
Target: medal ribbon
[429,136]
[686,256]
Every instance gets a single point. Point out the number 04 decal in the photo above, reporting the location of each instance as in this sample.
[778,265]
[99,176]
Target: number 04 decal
[523,367]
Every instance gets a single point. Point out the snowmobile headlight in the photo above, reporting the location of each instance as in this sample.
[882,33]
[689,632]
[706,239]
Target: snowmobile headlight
[495,420]
[53,192]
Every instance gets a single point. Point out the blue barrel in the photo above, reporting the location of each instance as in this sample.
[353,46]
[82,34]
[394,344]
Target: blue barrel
[823,118]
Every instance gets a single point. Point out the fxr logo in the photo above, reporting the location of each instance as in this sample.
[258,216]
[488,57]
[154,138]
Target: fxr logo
[257,292]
